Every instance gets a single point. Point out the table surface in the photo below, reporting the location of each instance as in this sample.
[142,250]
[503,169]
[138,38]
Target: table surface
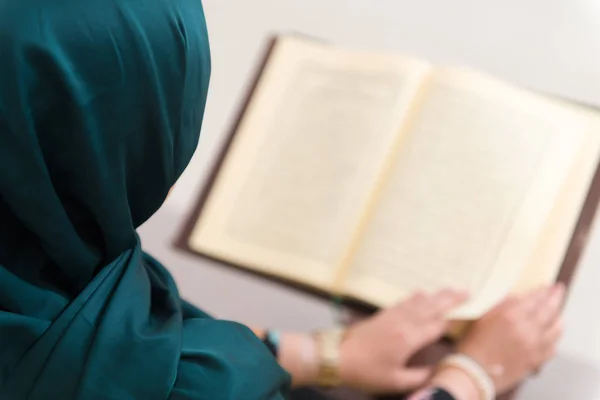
[551,46]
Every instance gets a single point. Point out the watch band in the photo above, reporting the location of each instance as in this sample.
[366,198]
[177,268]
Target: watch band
[272,340]
[328,347]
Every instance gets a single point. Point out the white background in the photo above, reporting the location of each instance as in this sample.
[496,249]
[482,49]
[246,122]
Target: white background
[551,46]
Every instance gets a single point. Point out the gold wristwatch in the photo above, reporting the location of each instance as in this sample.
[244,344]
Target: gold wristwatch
[328,348]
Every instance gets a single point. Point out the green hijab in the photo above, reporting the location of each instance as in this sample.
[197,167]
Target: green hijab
[101,104]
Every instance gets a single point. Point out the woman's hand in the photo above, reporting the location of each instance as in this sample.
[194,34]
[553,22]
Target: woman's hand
[375,352]
[517,337]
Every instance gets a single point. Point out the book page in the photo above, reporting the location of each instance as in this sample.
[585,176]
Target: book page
[547,258]
[305,158]
[468,197]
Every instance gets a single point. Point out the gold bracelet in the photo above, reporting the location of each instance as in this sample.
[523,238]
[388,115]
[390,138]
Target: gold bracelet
[328,345]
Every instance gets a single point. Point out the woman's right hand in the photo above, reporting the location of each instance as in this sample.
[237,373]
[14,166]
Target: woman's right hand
[517,337]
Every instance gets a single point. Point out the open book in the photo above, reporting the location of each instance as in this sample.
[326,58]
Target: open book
[374,175]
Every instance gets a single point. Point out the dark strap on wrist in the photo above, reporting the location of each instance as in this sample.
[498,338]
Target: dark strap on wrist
[271,344]
[431,394]
[441,394]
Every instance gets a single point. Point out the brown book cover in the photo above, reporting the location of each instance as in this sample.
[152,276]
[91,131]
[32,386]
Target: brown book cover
[433,354]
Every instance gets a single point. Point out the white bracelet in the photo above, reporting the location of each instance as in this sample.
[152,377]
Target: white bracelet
[475,371]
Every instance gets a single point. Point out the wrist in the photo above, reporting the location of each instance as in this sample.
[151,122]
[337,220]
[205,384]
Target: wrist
[313,359]
[298,355]
[467,367]
[329,348]
[494,370]
[351,362]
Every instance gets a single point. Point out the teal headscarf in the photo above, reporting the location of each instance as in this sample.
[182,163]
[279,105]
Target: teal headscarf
[101,104]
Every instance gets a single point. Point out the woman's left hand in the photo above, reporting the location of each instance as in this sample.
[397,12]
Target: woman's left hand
[375,352]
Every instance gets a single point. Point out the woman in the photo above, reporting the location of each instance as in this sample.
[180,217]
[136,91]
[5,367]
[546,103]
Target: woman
[100,108]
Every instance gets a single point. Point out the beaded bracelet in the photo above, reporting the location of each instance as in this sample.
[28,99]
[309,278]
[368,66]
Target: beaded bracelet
[474,370]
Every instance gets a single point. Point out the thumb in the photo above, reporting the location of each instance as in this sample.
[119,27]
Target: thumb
[415,377]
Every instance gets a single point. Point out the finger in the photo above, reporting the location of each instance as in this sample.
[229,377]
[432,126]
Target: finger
[432,332]
[409,307]
[414,300]
[547,311]
[549,341]
[435,325]
[416,307]
[444,301]
[413,378]
[553,333]
[531,301]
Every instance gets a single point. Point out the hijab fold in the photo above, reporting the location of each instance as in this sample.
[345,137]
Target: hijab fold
[101,105]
